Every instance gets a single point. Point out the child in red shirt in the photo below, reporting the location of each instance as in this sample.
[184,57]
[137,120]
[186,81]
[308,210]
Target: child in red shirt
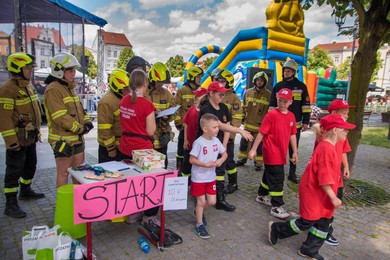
[317,190]
[190,121]
[277,130]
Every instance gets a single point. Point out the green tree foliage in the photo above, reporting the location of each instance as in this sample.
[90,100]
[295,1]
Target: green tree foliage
[209,61]
[373,30]
[343,69]
[125,55]
[91,63]
[319,58]
[176,65]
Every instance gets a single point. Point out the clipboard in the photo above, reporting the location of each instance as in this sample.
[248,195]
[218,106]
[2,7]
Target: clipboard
[168,112]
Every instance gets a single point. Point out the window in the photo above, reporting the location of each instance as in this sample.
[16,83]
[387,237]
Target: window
[43,64]
[42,51]
[109,53]
[336,59]
[115,54]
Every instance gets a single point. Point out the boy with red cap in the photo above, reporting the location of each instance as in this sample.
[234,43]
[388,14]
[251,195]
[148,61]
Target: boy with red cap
[277,130]
[317,190]
[340,107]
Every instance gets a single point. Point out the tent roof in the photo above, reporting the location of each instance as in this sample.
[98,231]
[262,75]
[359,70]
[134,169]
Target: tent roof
[33,11]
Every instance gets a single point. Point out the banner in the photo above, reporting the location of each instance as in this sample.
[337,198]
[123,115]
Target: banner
[120,197]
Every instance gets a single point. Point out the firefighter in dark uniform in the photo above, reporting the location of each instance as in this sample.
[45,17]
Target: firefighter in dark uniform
[20,111]
[233,103]
[255,106]
[185,98]
[300,106]
[162,99]
[109,127]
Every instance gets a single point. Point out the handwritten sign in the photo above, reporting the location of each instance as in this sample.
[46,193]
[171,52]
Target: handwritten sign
[175,193]
[120,197]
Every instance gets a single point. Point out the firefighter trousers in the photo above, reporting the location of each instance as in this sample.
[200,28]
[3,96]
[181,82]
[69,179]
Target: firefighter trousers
[272,184]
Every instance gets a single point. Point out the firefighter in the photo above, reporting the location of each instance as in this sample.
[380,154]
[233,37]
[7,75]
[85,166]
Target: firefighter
[109,127]
[162,99]
[185,98]
[255,105]
[232,101]
[300,106]
[67,120]
[20,111]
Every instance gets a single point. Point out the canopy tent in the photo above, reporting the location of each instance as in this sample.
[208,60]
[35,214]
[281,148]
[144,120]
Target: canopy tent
[33,11]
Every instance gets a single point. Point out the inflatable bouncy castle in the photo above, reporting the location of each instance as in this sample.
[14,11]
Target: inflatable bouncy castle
[263,48]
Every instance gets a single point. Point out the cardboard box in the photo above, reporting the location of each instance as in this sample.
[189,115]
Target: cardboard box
[148,159]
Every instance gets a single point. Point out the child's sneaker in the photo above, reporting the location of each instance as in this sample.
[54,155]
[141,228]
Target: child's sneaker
[266,200]
[316,256]
[331,240]
[279,212]
[202,232]
[203,219]
[272,236]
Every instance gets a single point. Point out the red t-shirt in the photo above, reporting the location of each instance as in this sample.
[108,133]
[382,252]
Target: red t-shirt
[133,121]
[341,147]
[277,129]
[191,120]
[323,169]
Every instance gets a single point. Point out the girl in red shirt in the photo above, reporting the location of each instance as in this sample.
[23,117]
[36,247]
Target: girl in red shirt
[317,190]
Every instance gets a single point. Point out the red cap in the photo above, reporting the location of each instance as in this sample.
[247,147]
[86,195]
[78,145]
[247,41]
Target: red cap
[200,92]
[338,104]
[285,93]
[216,87]
[335,120]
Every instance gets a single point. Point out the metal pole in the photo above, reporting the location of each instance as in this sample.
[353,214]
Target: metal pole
[18,26]
[350,63]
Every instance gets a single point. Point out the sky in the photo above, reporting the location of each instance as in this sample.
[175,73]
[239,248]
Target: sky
[159,29]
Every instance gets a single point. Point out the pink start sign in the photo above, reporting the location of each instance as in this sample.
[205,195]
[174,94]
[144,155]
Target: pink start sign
[120,197]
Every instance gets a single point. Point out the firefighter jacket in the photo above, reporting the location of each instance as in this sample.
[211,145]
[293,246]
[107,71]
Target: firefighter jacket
[65,114]
[301,102]
[20,112]
[233,103]
[162,99]
[109,127]
[185,99]
[255,106]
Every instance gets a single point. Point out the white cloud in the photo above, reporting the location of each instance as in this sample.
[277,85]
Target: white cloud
[116,8]
[185,27]
[152,4]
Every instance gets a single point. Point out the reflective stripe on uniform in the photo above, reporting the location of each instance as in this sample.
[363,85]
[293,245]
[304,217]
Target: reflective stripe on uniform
[104,126]
[107,142]
[179,156]
[161,106]
[11,190]
[25,101]
[220,178]
[55,137]
[232,171]
[59,113]
[75,126]
[71,99]
[257,100]
[117,112]
[306,109]
[265,186]
[7,133]
[251,127]
[318,233]
[276,193]
[238,116]
[7,101]
[294,226]
[25,182]
[188,96]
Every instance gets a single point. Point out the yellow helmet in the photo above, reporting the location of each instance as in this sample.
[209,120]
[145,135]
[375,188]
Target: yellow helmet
[226,75]
[18,60]
[260,74]
[291,64]
[119,79]
[194,72]
[159,73]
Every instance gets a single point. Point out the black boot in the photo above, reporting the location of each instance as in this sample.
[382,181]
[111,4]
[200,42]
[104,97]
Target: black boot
[232,186]
[221,201]
[26,193]
[292,176]
[12,208]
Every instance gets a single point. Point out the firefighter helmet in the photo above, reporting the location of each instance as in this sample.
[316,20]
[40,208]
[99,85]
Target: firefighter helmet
[18,60]
[259,75]
[291,64]
[194,72]
[228,76]
[62,61]
[159,73]
[119,79]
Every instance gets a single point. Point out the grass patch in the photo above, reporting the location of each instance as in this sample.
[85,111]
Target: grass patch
[376,136]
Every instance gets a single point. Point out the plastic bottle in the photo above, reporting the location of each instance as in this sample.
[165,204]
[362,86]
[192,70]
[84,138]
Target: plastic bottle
[143,244]
[78,255]
[72,250]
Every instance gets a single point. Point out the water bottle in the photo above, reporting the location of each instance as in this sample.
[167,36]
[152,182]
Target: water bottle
[78,255]
[143,244]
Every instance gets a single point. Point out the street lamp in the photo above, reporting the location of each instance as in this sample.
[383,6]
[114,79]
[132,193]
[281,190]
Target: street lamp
[339,21]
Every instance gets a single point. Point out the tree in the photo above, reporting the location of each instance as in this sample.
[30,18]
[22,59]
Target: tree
[90,61]
[125,55]
[373,19]
[207,63]
[319,59]
[176,65]
[343,69]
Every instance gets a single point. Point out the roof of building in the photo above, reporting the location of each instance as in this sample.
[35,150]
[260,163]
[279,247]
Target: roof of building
[336,46]
[34,31]
[115,39]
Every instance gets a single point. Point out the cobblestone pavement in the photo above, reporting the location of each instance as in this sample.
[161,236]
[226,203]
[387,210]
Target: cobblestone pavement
[364,232]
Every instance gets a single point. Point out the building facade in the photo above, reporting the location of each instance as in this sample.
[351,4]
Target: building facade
[107,52]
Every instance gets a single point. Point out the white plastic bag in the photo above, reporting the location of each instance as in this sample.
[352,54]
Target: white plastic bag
[31,238]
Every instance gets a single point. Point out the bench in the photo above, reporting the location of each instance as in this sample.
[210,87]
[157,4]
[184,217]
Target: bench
[366,117]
